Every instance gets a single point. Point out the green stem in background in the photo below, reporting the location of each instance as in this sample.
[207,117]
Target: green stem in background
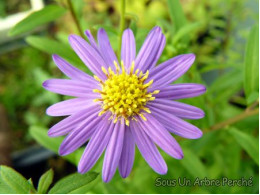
[234,119]
[75,18]
[122,24]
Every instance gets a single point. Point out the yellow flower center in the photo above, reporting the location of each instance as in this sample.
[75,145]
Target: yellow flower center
[124,94]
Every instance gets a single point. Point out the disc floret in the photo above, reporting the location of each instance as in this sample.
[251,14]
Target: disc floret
[125,94]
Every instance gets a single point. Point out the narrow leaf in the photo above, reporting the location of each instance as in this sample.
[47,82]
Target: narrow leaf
[14,180]
[176,13]
[74,183]
[249,143]
[185,30]
[45,182]
[178,17]
[37,18]
[251,64]
[193,164]
[32,188]
[55,47]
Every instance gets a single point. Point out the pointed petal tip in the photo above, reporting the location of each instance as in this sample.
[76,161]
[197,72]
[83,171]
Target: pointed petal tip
[48,111]
[73,38]
[157,28]
[87,33]
[128,30]
[106,179]
[180,155]
[50,133]
[55,56]
[102,31]
[45,84]
[199,134]
[62,151]
[192,56]
[163,171]
[124,175]
[81,169]
[201,114]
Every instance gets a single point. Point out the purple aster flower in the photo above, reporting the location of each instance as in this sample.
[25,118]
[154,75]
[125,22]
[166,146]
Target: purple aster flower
[125,104]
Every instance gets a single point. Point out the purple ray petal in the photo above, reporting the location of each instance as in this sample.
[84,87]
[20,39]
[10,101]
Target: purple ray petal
[157,132]
[128,154]
[177,108]
[113,151]
[96,145]
[71,88]
[157,52]
[176,125]
[105,48]
[148,149]
[151,49]
[88,55]
[169,71]
[79,135]
[128,49]
[181,91]
[92,40]
[68,124]
[69,107]
[71,71]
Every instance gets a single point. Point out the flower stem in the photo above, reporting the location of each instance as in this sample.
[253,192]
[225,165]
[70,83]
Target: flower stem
[234,119]
[122,24]
[75,18]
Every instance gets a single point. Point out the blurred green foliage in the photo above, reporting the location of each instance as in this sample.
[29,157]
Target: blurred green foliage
[224,37]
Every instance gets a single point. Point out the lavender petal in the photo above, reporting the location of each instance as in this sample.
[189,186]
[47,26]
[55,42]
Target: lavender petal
[106,50]
[128,154]
[68,124]
[79,135]
[96,145]
[88,55]
[181,91]
[148,149]
[69,107]
[113,151]
[151,49]
[71,88]
[157,132]
[176,125]
[128,49]
[92,41]
[71,71]
[177,108]
[169,71]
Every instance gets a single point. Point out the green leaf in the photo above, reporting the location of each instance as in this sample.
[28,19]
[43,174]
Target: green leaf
[75,183]
[14,180]
[177,16]
[32,188]
[55,47]
[185,30]
[53,144]
[251,64]
[193,164]
[252,97]
[45,182]
[249,143]
[4,188]
[37,18]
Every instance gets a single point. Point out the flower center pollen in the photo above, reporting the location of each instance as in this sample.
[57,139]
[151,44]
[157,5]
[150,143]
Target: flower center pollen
[125,94]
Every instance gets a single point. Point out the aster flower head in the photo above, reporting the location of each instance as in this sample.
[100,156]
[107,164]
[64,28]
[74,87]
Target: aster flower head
[127,102]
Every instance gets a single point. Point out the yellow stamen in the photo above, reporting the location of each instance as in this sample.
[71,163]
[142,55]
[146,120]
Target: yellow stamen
[124,94]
